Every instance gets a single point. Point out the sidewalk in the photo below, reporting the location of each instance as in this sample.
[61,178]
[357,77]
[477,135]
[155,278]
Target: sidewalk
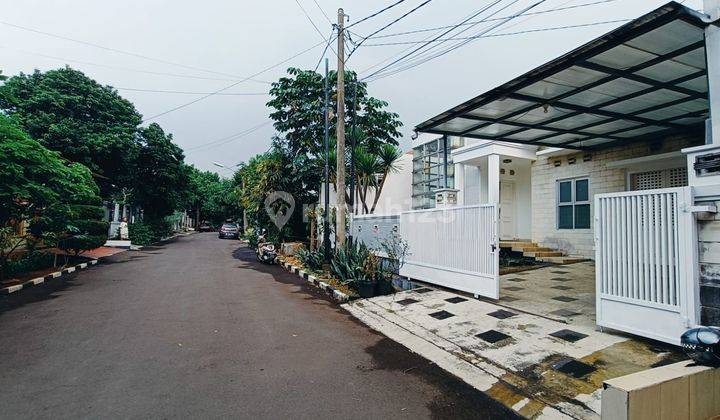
[539,367]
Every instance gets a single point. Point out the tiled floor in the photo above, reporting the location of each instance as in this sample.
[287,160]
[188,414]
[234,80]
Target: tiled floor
[531,363]
[564,294]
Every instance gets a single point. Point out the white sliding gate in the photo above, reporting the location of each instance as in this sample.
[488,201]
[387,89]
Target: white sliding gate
[455,247]
[646,262]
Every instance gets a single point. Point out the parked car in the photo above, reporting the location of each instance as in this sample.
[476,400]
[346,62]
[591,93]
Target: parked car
[205,227]
[229,230]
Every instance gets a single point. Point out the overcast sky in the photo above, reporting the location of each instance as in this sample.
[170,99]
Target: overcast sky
[235,39]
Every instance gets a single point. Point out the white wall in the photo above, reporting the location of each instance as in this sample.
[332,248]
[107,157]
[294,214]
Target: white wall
[396,195]
[523,194]
[602,179]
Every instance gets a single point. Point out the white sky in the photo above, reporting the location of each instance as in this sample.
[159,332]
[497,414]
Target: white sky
[243,37]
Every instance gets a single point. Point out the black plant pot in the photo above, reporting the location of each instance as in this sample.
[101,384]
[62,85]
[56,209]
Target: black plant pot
[366,290]
[383,287]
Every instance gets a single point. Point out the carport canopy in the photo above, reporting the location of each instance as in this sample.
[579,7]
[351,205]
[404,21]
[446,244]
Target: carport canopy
[646,79]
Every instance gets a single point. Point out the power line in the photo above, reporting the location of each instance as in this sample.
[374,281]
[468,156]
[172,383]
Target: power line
[102,47]
[375,14]
[330,40]
[312,22]
[423,60]
[482,10]
[540,12]
[192,93]
[235,83]
[387,26]
[323,12]
[554,28]
[157,73]
[228,139]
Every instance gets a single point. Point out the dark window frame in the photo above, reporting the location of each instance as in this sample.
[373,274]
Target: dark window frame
[573,203]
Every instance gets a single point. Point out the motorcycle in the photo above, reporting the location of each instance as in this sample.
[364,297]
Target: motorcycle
[266,252]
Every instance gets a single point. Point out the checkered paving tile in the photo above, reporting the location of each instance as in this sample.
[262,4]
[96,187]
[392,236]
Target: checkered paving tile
[564,298]
[569,335]
[408,301]
[574,368]
[502,314]
[441,315]
[456,299]
[492,336]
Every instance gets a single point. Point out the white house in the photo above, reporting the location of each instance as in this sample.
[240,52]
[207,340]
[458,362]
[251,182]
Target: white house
[605,153]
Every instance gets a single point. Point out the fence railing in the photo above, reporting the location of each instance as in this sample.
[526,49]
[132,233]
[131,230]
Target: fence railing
[645,242]
[454,247]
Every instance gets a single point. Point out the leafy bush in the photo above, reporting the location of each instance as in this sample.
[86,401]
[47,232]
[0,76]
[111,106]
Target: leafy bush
[148,232]
[251,237]
[36,260]
[356,264]
[312,260]
[140,233]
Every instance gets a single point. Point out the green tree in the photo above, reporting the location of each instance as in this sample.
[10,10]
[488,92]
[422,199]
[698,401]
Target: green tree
[297,106]
[86,122]
[278,170]
[211,198]
[37,185]
[160,177]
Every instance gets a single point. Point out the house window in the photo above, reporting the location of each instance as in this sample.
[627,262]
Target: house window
[573,202]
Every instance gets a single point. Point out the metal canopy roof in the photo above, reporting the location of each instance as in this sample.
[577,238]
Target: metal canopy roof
[644,79]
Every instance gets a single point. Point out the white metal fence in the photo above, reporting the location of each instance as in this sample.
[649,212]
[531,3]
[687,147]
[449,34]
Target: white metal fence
[645,265]
[454,247]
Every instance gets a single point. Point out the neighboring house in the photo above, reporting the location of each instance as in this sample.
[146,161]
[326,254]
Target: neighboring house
[609,152]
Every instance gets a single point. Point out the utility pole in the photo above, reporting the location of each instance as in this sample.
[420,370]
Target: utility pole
[326,210]
[340,171]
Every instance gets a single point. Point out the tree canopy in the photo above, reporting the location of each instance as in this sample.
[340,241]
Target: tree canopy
[297,106]
[211,198]
[57,197]
[86,122]
[160,176]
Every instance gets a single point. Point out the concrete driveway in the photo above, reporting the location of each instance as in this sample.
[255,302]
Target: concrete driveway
[196,328]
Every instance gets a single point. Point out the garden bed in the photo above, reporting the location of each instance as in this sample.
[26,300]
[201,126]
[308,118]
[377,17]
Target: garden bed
[336,290]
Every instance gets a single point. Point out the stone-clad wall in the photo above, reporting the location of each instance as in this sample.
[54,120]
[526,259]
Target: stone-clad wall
[602,180]
[709,258]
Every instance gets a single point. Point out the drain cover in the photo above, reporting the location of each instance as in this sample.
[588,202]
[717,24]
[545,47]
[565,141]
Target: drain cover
[513,288]
[423,290]
[574,368]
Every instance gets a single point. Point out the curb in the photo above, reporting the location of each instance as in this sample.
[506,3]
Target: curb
[335,294]
[47,277]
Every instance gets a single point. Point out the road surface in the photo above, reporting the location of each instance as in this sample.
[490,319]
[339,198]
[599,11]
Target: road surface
[195,328]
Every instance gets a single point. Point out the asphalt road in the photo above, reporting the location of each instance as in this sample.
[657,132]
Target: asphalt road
[197,329]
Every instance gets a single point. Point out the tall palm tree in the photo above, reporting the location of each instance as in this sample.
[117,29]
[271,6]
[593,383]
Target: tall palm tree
[387,162]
